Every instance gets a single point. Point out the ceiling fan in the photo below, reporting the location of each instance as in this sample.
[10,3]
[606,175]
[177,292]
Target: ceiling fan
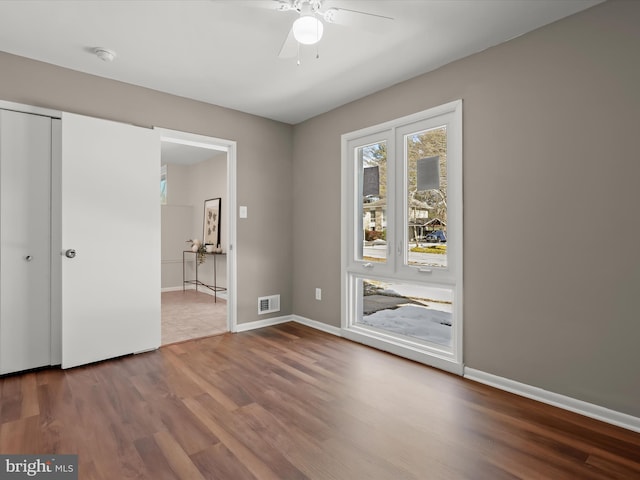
[308,28]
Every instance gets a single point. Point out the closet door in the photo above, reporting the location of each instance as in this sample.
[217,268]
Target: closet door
[110,239]
[25,254]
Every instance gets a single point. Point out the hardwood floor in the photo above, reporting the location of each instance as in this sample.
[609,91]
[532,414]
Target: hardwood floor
[288,402]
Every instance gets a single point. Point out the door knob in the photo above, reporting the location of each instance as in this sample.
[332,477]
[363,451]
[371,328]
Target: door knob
[28,258]
[70,253]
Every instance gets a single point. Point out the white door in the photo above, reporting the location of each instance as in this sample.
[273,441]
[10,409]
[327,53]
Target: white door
[25,189]
[110,216]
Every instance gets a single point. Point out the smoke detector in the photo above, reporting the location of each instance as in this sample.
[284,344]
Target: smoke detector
[104,54]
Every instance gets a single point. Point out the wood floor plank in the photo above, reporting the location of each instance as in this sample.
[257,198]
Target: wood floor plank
[11,408]
[176,457]
[219,462]
[244,454]
[20,436]
[88,471]
[29,388]
[57,419]
[157,466]
[290,402]
[615,470]
[186,430]
[573,439]
[203,383]
[253,437]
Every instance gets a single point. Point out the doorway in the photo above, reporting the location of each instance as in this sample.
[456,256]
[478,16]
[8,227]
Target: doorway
[197,286]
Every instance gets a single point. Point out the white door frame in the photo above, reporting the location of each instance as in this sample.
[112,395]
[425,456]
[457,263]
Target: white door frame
[228,146]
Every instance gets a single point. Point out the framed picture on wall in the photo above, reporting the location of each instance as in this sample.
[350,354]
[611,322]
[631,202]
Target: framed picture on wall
[211,234]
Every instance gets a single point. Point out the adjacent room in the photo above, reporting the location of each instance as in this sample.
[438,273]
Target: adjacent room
[373,255]
[194,304]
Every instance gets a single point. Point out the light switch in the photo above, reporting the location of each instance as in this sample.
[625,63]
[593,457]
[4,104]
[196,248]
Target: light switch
[243,212]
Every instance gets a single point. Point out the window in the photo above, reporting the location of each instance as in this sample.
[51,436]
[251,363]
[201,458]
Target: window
[372,174]
[426,196]
[402,236]
[163,185]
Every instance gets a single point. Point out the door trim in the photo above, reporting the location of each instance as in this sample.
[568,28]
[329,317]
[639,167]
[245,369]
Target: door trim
[22,108]
[56,242]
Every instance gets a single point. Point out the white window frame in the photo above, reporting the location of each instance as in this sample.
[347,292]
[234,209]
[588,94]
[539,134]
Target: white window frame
[395,268]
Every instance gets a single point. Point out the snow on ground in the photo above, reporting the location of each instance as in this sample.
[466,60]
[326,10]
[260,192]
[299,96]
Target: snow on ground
[419,291]
[413,321]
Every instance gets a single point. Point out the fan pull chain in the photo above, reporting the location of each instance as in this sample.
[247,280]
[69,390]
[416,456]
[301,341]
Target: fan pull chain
[298,62]
[317,41]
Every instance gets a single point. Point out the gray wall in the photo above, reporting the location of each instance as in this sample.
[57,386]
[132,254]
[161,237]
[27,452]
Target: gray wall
[551,170]
[178,192]
[263,159]
[176,225]
[207,180]
[188,186]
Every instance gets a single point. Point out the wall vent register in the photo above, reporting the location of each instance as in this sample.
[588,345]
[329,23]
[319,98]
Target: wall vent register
[268,304]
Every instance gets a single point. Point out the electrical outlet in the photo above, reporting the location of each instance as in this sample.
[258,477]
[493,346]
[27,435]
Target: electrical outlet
[318,294]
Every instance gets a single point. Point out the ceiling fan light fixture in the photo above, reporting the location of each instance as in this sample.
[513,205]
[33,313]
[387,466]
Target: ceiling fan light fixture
[308,30]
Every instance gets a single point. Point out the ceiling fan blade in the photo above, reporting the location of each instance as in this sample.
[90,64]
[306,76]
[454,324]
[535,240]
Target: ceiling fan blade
[289,47]
[356,18]
[283,5]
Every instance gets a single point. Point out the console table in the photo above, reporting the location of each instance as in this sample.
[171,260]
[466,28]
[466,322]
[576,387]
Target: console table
[214,288]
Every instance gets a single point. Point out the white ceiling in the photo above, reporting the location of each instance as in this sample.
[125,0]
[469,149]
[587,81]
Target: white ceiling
[225,52]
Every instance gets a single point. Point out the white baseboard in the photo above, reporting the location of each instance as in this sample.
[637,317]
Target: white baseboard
[173,289]
[222,295]
[244,327]
[561,401]
[317,325]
